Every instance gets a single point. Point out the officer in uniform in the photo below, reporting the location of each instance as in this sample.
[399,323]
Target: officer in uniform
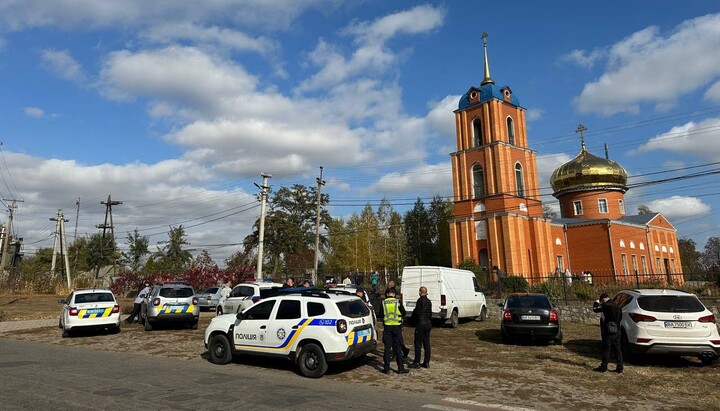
[393,313]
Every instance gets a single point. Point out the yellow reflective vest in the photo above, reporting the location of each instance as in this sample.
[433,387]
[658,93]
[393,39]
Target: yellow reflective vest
[391,308]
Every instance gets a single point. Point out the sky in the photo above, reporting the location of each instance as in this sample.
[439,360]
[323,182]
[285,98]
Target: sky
[176,108]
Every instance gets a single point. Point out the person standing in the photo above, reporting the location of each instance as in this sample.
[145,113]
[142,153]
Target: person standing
[406,350]
[609,331]
[289,283]
[138,303]
[421,317]
[375,281]
[393,312]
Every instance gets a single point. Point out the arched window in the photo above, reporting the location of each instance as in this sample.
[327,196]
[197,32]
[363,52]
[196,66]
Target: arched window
[511,130]
[519,180]
[478,181]
[477,132]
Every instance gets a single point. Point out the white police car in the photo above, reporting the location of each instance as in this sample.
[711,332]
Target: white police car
[244,295]
[89,309]
[309,327]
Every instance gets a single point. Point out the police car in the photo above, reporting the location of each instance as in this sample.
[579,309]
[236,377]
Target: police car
[88,309]
[170,302]
[309,327]
[245,295]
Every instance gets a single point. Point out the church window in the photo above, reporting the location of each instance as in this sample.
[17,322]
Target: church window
[477,132]
[672,250]
[602,206]
[623,257]
[558,241]
[672,265]
[634,263]
[657,248]
[519,180]
[511,131]
[621,205]
[560,263]
[658,265]
[478,182]
[642,246]
[632,245]
[644,264]
[622,244]
[664,249]
[578,207]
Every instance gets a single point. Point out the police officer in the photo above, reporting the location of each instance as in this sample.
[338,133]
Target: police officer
[138,302]
[406,350]
[393,313]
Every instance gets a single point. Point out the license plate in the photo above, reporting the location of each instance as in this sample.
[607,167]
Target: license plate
[363,333]
[678,324]
[95,311]
[530,317]
[410,304]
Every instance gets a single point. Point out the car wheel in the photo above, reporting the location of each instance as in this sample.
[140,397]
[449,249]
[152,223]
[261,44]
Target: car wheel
[218,310]
[708,360]
[65,333]
[312,361]
[483,314]
[148,326]
[454,319]
[194,325]
[558,341]
[220,350]
[115,329]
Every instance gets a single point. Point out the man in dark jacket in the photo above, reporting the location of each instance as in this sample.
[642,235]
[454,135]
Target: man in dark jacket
[610,331]
[421,317]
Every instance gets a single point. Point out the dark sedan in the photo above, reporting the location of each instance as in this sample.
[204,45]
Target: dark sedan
[529,317]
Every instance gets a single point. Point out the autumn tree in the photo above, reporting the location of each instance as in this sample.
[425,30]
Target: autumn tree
[138,248]
[172,257]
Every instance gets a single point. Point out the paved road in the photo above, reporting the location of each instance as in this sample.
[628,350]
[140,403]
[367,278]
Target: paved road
[44,376]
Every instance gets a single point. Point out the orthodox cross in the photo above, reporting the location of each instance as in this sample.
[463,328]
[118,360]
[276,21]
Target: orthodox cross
[580,130]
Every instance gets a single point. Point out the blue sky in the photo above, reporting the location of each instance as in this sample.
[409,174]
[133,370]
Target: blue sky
[175,108]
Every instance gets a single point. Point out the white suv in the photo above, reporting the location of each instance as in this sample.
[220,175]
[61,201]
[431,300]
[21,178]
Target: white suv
[667,322]
[309,327]
[245,295]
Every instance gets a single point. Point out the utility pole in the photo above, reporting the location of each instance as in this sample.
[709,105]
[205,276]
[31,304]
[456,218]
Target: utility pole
[320,183]
[59,245]
[8,232]
[105,226]
[261,235]
[77,218]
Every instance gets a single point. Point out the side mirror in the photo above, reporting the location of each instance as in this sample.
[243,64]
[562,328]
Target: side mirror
[240,316]
[500,305]
[61,301]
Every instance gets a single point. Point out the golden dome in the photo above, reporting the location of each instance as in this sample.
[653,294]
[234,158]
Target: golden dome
[588,172]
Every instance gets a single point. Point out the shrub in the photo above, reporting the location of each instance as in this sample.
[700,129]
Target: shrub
[553,289]
[480,274]
[514,284]
[583,291]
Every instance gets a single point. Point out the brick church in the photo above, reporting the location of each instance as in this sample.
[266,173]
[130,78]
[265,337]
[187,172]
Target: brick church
[498,215]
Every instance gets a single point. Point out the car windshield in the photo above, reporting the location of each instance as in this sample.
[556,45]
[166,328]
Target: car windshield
[528,301]
[211,290]
[353,308]
[94,298]
[176,292]
[269,292]
[671,303]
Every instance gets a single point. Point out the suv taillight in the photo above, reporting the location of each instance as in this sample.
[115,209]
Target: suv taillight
[641,317]
[507,315]
[255,299]
[73,311]
[195,300]
[156,301]
[707,319]
[341,326]
[116,309]
[553,316]
[443,301]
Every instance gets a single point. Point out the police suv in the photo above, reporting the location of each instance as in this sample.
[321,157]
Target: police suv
[245,295]
[170,302]
[309,327]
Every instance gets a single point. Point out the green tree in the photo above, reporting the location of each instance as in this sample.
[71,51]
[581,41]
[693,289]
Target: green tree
[339,253]
[690,257]
[419,235]
[37,264]
[441,212]
[172,257]
[240,259]
[711,256]
[78,255]
[101,252]
[138,248]
[397,243]
[290,229]
[643,210]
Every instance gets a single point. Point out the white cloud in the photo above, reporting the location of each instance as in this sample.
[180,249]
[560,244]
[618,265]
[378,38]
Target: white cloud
[423,180]
[371,56]
[690,138]
[632,76]
[679,207]
[441,117]
[534,114]
[63,65]
[583,58]
[713,93]
[546,164]
[224,38]
[266,14]
[34,112]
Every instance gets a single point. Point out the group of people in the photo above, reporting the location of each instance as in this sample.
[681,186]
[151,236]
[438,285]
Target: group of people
[290,283]
[393,314]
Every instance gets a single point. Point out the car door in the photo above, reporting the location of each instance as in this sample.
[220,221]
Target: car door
[66,309]
[284,325]
[233,304]
[250,331]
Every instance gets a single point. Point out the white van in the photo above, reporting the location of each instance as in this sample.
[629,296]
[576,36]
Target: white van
[454,293]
